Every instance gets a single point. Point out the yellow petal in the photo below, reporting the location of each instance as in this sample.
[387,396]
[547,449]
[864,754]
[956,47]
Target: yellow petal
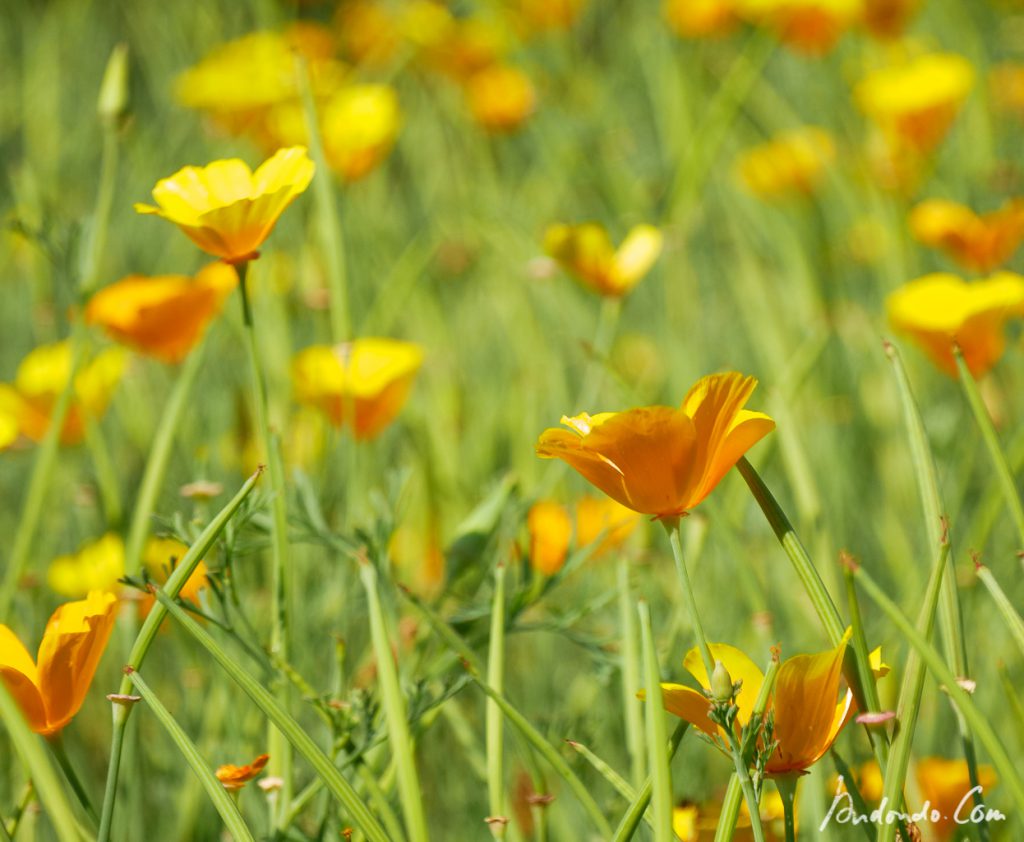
[636,255]
[740,668]
[688,704]
[20,677]
[550,529]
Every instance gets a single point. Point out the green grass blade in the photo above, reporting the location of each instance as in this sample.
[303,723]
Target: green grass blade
[294,733]
[220,797]
[630,659]
[632,817]
[661,773]
[620,784]
[1010,616]
[495,736]
[30,749]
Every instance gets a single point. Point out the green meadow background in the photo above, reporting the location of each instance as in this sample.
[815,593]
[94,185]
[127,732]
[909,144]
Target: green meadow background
[632,125]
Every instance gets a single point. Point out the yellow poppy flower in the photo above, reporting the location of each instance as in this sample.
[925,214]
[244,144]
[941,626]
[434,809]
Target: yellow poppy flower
[95,567]
[659,460]
[500,97]
[586,252]
[944,783]
[684,817]
[979,243]
[225,208]
[808,717]
[369,378]
[359,127]
[10,413]
[887,19]
[700,18]
[160,556]
[42,376]
[235,777]
[369,32]
[51,689]
[163,316]
[915,103]
[938,310]
[808,26]
[793,162]
[550,529]
[597,516]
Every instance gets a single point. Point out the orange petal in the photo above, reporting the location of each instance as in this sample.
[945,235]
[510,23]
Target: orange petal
[19,675]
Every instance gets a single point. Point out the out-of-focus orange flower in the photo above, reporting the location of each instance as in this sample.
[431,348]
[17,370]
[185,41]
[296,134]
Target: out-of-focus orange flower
[939,310]
[466,47]
[586,252]
[914,103]
[163,316]
[369,32]
[793,162]
[603,516]
[363,383]
[235,777]
[1006,86]
[550,531]
[700,18]
[979,243]
[887,19]
[659,460]
[944,784]
[51,689]
[808,26]
[808,717]
[40,380]
[500,97]
[548,15]
[96,566]
[227,209]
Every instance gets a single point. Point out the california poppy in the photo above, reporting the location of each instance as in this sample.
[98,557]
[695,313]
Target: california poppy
[235,777]
[791,163]
[586,252]
[978,242]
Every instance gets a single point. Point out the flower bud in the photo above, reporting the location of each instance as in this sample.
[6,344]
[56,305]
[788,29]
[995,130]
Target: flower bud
[113,100]
[721,683]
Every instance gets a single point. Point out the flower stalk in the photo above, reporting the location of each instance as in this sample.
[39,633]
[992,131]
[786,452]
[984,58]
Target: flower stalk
[494,719]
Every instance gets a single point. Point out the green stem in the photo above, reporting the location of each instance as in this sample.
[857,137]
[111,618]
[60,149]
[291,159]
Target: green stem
[786,785]
[494,719]
[156,462]
[995,450]
[661,772]
[185,568]
[633,816]
[224,801]
[106,476]
[611,309]
[746,787]
[631,675]
[672,526]
[394,712]
[1010,616]
[280,632]
[56,743]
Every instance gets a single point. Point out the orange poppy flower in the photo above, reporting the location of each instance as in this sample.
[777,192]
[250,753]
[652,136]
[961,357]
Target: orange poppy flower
[586,252]
[791,163]
[808,26]
[500,97]
[51,689]
[163,316]
[939,310]
[700,18]
[660,460]
[979,243]
[235,777]
[550,529]
[227,209]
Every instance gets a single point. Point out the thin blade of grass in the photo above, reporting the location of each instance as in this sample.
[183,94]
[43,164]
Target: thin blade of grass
[1010,616]
[632,817]
[661,773]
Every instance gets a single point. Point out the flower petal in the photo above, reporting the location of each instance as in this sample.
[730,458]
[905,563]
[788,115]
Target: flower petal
[19,675]
[740,668]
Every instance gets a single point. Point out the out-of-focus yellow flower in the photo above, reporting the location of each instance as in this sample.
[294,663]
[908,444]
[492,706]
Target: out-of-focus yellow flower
[550,529]
[1006,86]
[235,777]
[684,817]
[793,162]
[468,46]
[369,32]
[597,516]
[887,19]
[809,26]
[42,376]
[10,412]
[586,252]
[51,689]
[944,784]
[227,209]
[659,460]
[425,23]
[807,716]
[979,243]
[160,557]
[915,103]
[359,127]
[419,555]
[547,15]
[369,379]
[700,18]
[500,97]
[939,310]
[95,567]
[163,316]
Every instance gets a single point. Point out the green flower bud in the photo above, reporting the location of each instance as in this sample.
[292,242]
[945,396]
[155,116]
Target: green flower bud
[113,100]
[721,683]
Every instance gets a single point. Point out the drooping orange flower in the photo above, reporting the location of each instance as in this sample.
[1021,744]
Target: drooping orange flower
[227,209]
[163,316]
[979,243]
[791,163]
[586,252]
[808,26]
[939,310]
[808,710]
[51,689]
[500,97]
[363,383]
[660,460]
[235,777]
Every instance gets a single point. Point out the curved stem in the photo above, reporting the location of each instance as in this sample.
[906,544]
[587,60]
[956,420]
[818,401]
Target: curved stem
[786,785]
[56,743]
[672,527]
